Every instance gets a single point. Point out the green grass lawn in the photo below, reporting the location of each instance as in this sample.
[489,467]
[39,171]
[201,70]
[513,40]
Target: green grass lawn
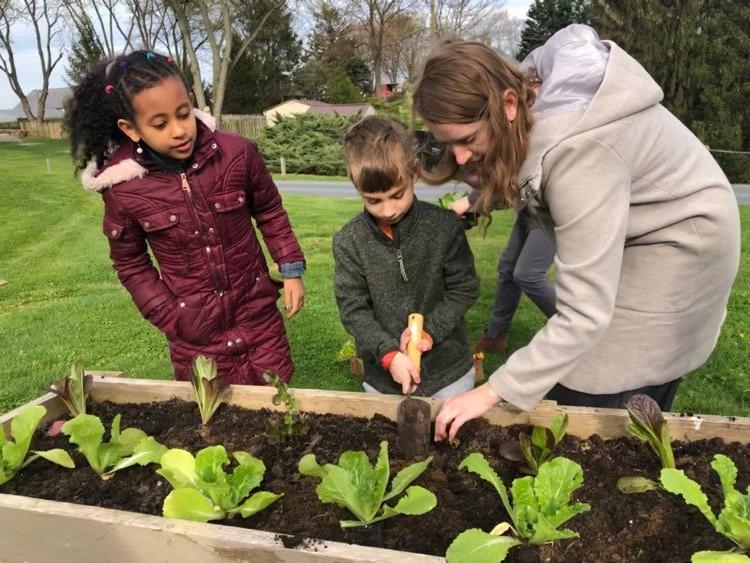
[61,302]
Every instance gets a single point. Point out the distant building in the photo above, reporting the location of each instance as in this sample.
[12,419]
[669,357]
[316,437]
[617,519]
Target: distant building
[296,107]
[53,108]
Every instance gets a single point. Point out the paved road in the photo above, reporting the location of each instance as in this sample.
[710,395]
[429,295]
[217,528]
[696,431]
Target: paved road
[424,192]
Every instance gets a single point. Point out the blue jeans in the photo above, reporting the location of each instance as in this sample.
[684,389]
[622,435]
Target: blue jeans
[523,268]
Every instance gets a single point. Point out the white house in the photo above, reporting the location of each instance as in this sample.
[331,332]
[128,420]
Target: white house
[296,107]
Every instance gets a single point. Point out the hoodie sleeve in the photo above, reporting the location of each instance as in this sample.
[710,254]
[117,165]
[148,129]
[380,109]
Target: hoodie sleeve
[354,302]
[268,212]
[132,263]
[587,191]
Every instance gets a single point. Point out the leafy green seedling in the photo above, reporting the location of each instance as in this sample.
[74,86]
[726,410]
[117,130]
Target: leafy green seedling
[733,521]
[74,390]
[13,451]
[540,506]
[208,387]
[361,488]
[348,353]
[289,423]
[647,422]
[203,491]
[124,449]
[450,198]
[532,452]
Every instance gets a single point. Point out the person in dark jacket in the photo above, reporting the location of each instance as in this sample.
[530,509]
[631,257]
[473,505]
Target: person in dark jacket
[172,183]
[402,256]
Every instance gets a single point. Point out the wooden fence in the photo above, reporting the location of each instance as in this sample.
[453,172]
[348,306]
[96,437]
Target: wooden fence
[248,126]
[46,129]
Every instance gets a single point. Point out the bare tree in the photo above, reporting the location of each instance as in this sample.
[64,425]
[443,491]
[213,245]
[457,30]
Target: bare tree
[376,16]
[406,43]
[100,16]
[218,24]
[461,18]
[45,18]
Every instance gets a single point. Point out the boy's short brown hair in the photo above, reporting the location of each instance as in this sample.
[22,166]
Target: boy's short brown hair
[379,155]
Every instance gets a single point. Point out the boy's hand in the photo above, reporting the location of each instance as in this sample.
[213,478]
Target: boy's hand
[461,206]
[294,296]
[404,372]
[424,344]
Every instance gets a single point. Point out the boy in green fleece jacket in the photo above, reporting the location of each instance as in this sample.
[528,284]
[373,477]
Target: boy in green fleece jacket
[402,256]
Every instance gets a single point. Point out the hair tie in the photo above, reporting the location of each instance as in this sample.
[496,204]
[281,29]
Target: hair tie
[170,60]
[108,89]
[123,64]
[150,56]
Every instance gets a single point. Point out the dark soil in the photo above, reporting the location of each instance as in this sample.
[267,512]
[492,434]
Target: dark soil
[655,526]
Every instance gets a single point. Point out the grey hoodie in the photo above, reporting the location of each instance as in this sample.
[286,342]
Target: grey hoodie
[646,224]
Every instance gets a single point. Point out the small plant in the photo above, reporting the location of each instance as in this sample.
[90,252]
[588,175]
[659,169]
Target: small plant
[361,488]
[532,452]
[348,353]
[203,491]
[289,423]
[647,422]
[540,506]
[733,521]
[446,200]
[124,449]
[74,390]
[13,451]
[208,387]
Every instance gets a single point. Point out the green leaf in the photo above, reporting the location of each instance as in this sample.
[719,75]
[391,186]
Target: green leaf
[338,486]
[539,437]
[476,463]
[417,500]
[727,471]
[178,467]
[675,481]
[633,485]
[210,462]
[129,439]
[146,451]
[719,557]
[476,546]
[555,483]
[256,503]
[309,467]
[406,476]
[58,456]
[648,423]
[246,476]
[559,426]
[87,431]
[525,506]
[189,504]
[22,427]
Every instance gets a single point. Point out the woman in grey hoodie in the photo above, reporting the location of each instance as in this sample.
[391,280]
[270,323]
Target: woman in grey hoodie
[646,223]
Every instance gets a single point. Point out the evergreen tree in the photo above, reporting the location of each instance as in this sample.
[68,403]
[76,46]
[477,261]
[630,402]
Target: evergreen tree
[340,89]
[545,18]
[84,53]
[261,77]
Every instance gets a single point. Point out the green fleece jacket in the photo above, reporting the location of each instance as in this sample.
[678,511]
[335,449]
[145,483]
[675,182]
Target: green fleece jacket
[427,268]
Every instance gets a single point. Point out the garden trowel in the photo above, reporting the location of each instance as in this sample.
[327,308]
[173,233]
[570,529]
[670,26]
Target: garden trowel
[414,416]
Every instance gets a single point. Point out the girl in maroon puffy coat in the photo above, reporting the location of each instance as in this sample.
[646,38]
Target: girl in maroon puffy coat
[174,184]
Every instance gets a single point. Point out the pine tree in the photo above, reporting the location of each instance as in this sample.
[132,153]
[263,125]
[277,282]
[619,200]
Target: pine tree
[84,53]
[545,18]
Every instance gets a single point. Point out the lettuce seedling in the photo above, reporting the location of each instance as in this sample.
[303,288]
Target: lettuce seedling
[733,521]
[74,390]
[361,488]
[533,452]
[203,491]
[647,422]
[289,423]
[126,448]
[208,387]
[540,506]
[13,451]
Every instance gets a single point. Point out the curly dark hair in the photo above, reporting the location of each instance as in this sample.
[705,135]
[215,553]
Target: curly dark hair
[105,95]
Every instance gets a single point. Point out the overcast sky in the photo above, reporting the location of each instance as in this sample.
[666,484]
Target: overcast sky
[27,60]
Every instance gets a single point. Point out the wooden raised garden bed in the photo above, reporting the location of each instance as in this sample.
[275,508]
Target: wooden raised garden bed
[36,528]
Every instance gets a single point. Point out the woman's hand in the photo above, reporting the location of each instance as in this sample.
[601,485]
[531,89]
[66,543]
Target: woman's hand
[461,206]
[294,296]
[455,411]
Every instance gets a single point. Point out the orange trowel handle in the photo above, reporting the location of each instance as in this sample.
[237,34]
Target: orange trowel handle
[416,325]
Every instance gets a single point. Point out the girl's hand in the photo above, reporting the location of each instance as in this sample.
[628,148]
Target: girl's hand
[403,372]
[294,296]
[456,410]
[461,206]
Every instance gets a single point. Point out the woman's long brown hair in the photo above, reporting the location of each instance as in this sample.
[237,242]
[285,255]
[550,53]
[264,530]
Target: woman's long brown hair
[464,82]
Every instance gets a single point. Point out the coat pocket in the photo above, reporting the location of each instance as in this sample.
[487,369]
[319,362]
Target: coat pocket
[199,318]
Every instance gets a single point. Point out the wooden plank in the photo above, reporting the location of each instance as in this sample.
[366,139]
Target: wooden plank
[91,535]
[583,421]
